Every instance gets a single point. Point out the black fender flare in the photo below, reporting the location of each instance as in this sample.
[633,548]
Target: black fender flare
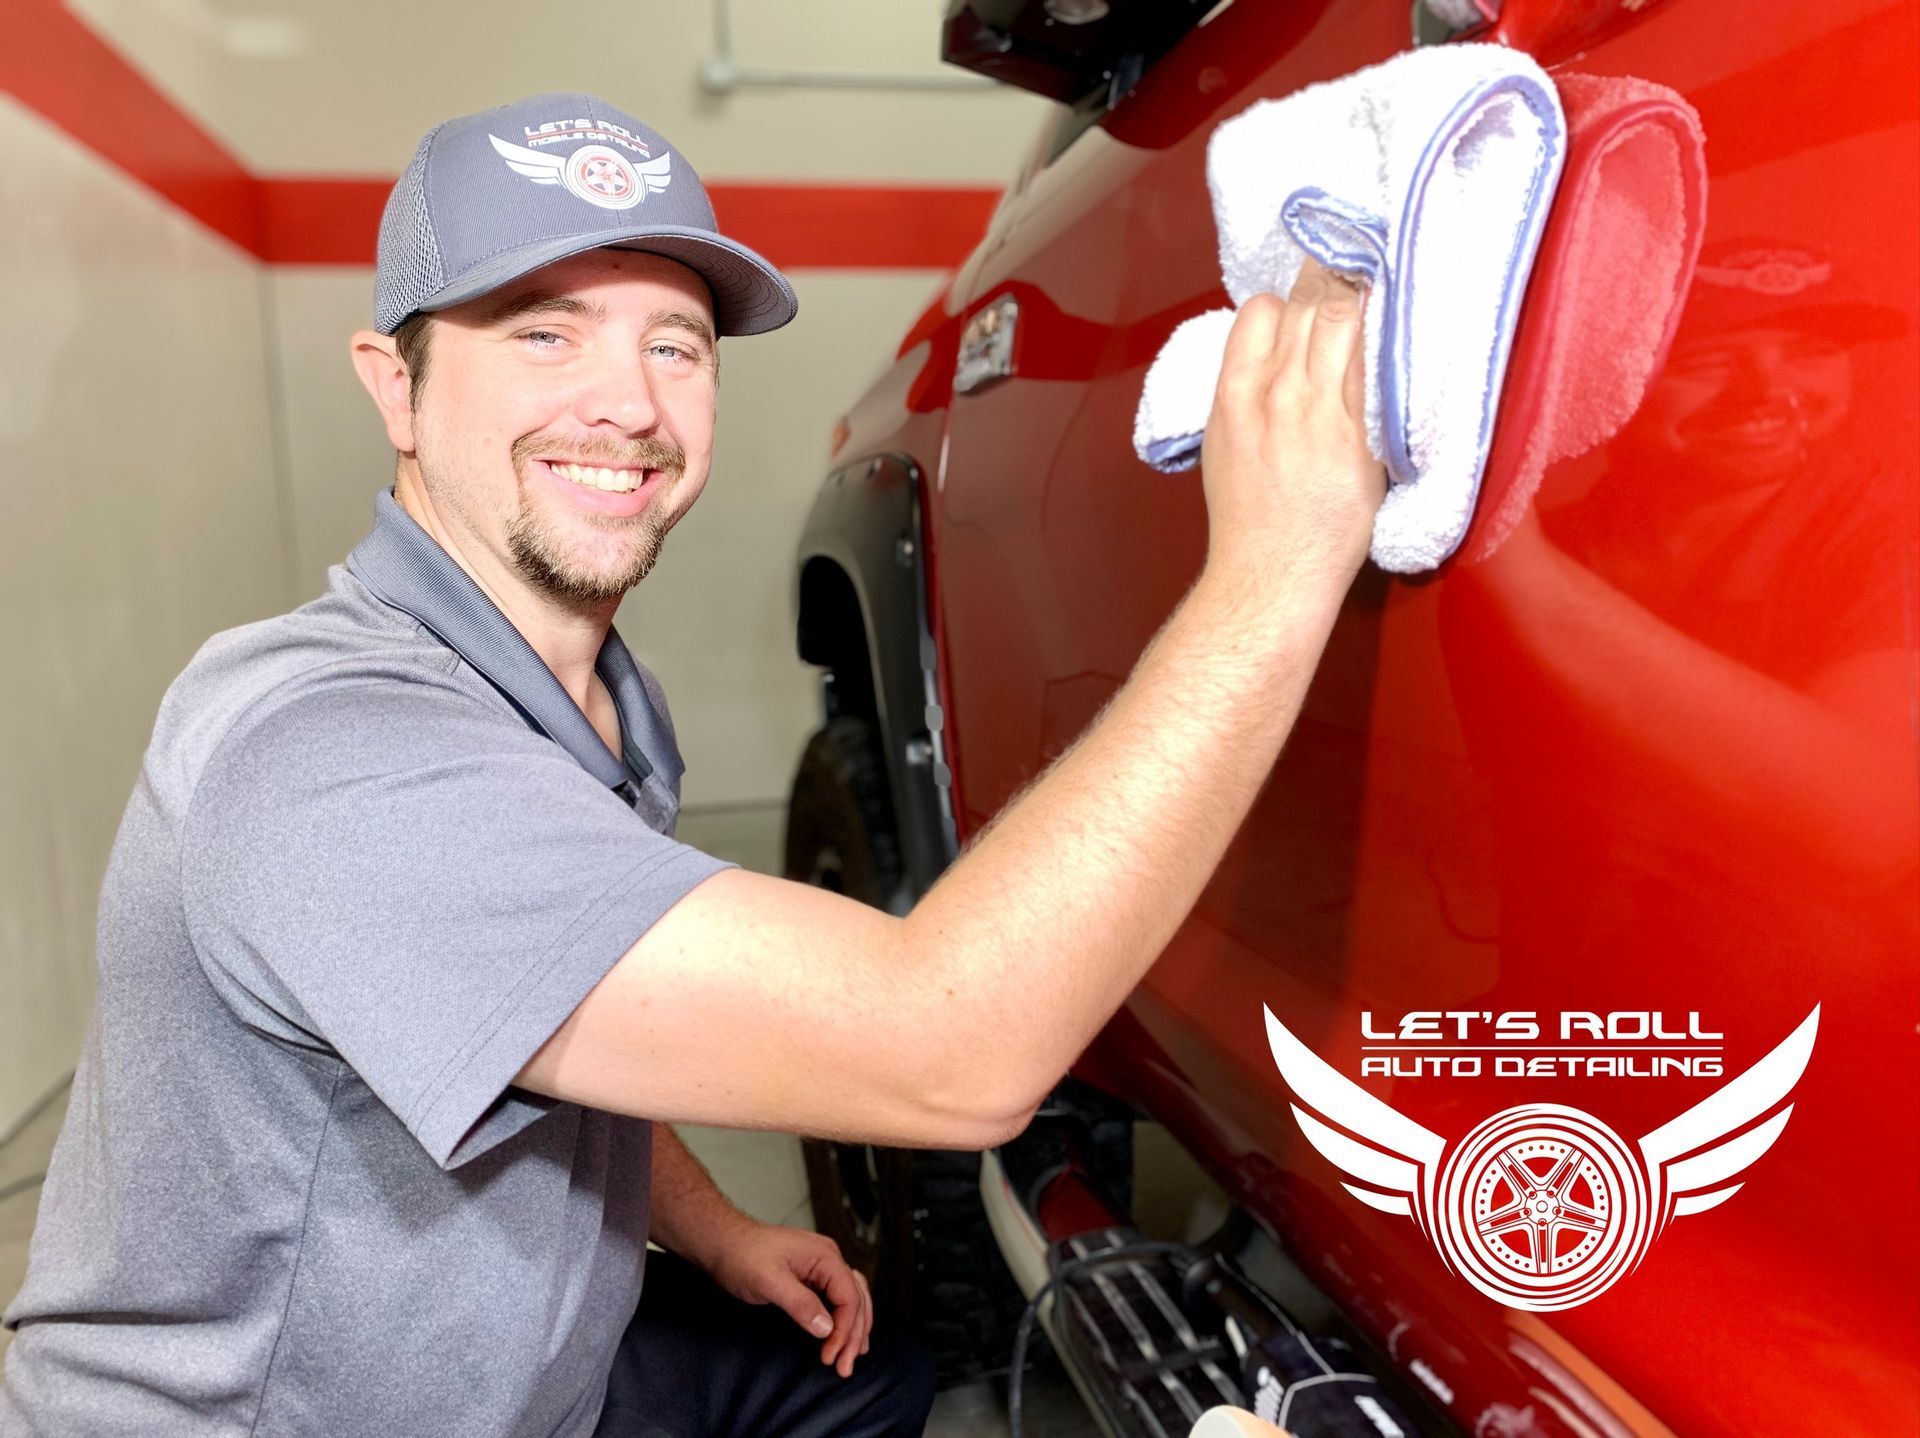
[862,614]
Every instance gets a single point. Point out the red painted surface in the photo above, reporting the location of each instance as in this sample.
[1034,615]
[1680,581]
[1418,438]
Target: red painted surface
[1066,1205]
[56,66]
[1649,746]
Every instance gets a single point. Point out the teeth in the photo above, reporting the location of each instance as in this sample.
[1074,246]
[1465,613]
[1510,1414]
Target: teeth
[619,481]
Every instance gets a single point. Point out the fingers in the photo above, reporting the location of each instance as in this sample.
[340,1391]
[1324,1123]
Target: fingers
[1312,288]
[1353,388]
[863,1338]
[1293,413]
[1335,340]
[1245,366]
[842,1351]
[847,1292]
[801,1304]
[1312,332]
[1322,327]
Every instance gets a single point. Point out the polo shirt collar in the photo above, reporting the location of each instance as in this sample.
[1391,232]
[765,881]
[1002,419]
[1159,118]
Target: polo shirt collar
[406,567]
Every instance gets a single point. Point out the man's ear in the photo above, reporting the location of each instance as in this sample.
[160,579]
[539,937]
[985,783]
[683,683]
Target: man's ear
[378,364]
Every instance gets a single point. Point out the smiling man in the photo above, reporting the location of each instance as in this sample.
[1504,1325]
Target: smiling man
[382,846]
[400,963]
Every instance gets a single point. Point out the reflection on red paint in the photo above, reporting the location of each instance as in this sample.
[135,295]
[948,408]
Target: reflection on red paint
[1608,284]
[1647,742]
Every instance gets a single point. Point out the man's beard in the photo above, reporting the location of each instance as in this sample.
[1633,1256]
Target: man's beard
[539,550]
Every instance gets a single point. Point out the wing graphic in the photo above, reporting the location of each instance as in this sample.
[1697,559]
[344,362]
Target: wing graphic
[542,169]
[1399,1157]
[654,174]
[1687,1185]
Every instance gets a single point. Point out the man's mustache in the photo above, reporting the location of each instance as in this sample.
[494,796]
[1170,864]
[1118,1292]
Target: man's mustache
[646,453]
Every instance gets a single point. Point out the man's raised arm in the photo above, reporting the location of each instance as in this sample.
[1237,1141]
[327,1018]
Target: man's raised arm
[761,1003]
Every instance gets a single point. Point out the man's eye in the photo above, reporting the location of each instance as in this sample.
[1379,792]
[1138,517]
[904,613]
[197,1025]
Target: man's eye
[541,339]
[674,350]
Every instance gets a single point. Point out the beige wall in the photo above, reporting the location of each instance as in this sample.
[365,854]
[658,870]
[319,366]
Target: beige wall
[140,511]
[347,87]
[185,447]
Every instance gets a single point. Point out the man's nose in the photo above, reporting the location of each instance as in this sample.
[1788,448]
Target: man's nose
[1761,372]
[620,393]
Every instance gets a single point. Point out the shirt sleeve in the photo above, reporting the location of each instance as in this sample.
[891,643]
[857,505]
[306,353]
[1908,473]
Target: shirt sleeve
[424,886]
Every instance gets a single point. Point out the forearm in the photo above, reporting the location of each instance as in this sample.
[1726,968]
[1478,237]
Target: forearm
[690,1216]
[1069,896]
[1730,745]
[781,1005]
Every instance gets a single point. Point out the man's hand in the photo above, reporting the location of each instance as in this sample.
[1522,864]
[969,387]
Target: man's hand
[763,1263]
[1291,490]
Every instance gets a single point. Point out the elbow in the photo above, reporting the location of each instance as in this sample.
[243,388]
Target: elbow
[995,1129]
[972,1080]
[955,1104]
[978,1116]
[976,1132]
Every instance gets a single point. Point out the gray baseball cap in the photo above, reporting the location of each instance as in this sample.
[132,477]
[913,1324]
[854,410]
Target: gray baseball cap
[489,197]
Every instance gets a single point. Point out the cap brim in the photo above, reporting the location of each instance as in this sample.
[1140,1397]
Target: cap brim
[750,296]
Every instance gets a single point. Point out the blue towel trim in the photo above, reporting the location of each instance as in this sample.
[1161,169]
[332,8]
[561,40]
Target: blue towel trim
[1340,235]
[1545,106]
[1176,452]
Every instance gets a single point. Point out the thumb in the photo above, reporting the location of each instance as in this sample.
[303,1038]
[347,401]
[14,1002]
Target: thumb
[801,1304]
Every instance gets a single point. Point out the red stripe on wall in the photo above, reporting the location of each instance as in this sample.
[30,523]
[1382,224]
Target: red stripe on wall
[855,227]
[798,227]
[320,222]
[60,69]
[55,66]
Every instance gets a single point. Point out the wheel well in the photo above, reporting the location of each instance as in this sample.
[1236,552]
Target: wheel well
[833,635]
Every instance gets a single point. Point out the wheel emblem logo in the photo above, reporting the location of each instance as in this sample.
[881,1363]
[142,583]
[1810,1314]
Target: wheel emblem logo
[1542,1207]
[598,174]
[602,177]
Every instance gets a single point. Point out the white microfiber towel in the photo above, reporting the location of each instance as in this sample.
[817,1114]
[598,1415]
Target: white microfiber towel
[1427,177]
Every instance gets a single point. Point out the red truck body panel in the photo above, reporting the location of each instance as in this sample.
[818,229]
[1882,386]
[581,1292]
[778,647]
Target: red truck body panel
[1655,751]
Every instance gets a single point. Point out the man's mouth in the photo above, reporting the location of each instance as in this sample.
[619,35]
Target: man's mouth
[614,481]
[1746,428]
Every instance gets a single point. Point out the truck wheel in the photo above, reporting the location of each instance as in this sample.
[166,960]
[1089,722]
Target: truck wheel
[840,832]
[910,1219]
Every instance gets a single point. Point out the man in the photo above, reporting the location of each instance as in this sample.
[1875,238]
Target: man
[399,958]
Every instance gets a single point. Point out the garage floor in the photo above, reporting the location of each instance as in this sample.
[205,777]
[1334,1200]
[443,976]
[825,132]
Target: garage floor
[759,1171]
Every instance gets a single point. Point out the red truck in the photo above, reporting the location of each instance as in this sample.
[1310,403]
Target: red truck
[1596,851]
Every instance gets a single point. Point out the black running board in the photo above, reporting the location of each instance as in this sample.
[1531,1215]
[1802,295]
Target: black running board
[1155,1334]
[1125,1328]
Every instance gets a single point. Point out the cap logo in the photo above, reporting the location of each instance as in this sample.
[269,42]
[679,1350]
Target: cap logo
[595,173]
[1776,271]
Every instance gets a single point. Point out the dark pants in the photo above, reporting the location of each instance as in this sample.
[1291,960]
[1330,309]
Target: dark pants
[698,1363]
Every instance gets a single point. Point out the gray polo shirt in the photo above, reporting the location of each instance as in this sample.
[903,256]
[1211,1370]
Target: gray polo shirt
[374,858]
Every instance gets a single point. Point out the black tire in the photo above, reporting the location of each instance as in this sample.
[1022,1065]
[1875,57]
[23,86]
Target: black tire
[840,832]
[909,1219]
